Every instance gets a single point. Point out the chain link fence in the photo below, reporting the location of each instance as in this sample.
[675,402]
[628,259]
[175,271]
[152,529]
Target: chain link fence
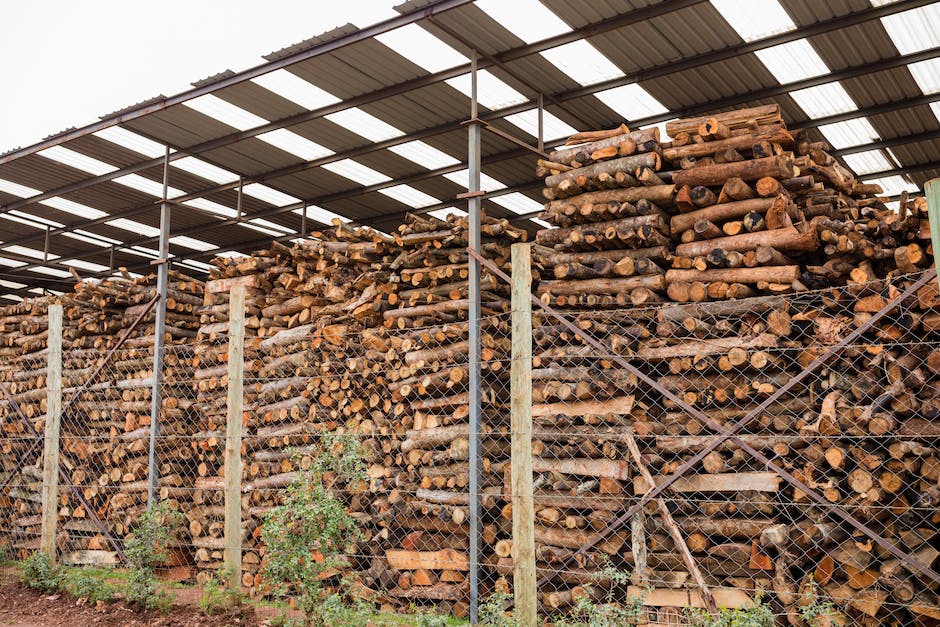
[828,487]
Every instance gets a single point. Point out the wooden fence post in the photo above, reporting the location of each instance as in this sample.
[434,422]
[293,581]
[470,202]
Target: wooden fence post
[233,436]
[50,450]
[523,510]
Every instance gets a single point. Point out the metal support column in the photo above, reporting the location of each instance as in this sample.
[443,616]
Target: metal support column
[541,114]
[474,205]
[156,392]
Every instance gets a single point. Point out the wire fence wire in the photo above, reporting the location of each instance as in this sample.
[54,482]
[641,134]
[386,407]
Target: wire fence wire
[860,430]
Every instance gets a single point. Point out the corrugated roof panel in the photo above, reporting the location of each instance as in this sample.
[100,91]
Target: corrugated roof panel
[740,75]
[578,14]
[805,13]
[179,126]
[853,46]
[260,101]
[875,88]
[905,122]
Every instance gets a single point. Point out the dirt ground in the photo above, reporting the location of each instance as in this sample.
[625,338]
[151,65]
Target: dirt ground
[22,607]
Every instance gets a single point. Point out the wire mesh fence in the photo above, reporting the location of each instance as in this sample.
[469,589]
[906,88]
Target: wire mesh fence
[827,486]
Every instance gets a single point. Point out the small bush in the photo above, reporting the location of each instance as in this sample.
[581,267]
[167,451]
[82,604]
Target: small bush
[39,573]
[217,596]
[85,583]
[306,536]
[146,549]
[818,613]
[758,615]
[492,612]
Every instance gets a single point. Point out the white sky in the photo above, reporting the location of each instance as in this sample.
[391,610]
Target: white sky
[65,62]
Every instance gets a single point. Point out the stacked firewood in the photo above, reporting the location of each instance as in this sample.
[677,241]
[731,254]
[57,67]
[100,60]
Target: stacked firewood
[424,542]
[205,514]
[23,347]
[777,253]
[106,420]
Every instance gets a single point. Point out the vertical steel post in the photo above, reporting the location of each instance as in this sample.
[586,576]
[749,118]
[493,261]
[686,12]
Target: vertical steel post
[541,114]
[156,392]
[303,222]
[474,204]
[238,199]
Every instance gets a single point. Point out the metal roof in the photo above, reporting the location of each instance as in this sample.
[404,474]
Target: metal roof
[354,102]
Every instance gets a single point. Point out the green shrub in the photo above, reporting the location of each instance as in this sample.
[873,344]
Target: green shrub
[85,583]
[817,612]
[148,548]
[306,536]
[39,573]
[758,615]
[492,612]
[217,596]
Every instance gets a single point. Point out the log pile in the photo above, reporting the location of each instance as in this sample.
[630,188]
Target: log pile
[767,253]
[424,335]
[105,423]
[23,353]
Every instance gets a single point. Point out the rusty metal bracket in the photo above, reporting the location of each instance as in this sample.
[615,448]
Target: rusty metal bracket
[728,432]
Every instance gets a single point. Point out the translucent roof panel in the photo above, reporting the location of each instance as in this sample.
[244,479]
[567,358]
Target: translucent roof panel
[424,155]
[147,186]
[824,100]
[517,203]
[894,185]
[552,126]
[408,195]
[192,243]
[205,170]
[927,75]
[850,133]
[582,62]
[365,124]
[355,171]
[77,160]
[793,61]
[269,195]
[631,101]
[755,19]
[321,215]
[441,214]
[935,107]
[88,266]
[492,92]
[868,162]
[487,182]
[132,141]
[74,208]
[28,252]
[529,20]
[241,119]
[133,226]
[422,48]
[914,30]
[295,89]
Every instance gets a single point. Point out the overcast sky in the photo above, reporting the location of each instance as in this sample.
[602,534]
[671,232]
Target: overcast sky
[65,62]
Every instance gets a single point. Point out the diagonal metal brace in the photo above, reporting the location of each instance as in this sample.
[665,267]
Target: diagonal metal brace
[728,432]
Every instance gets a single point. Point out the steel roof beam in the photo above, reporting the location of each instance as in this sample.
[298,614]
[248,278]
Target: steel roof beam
[510,154]
[906,169]
[620,21]
[888,143]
